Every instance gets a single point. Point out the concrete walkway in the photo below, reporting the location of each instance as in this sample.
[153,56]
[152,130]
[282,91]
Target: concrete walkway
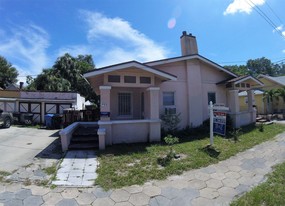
[77,169]
[216,184]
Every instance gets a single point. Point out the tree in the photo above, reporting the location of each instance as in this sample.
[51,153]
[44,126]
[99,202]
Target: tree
[8,73]
[268,97]
[238,69]
[262,66]
[66,75]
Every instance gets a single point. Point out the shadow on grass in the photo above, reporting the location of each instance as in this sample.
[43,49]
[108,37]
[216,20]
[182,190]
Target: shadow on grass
[211,151]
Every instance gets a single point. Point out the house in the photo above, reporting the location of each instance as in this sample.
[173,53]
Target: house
[277,105]
[258,101]
[134,95]
[39,103]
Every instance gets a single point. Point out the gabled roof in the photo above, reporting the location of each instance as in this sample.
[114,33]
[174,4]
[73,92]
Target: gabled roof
[240,79]
[130,64]
[189,57]
[278,80]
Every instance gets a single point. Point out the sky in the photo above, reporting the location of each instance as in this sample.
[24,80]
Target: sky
[34,33]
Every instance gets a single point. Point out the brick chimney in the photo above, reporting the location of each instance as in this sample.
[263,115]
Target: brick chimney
[21,85]
[188,44]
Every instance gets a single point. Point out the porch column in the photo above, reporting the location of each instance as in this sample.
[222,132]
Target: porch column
[105,127]
[233,102]
[250,98]
[153,102]
[251,110]
[154,124]
[105,100]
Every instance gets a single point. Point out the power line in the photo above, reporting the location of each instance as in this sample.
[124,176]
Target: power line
[275,14]
[265,17]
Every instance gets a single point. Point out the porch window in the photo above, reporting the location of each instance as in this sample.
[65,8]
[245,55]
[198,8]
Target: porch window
[169,103]
[145,80]
[114,78]
[211,97]
[130,79]
[125,104]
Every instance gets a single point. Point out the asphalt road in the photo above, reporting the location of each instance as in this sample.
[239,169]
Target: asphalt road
[19,145]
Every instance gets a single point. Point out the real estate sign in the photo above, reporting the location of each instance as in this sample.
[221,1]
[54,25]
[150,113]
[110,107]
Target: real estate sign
[219,122]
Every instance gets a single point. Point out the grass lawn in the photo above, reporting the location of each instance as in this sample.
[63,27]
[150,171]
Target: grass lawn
[123,165]
[271,192]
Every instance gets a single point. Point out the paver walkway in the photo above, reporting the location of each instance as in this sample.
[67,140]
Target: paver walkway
[216,184]
[78,168]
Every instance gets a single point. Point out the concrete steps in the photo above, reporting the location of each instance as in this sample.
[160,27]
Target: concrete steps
[84,138]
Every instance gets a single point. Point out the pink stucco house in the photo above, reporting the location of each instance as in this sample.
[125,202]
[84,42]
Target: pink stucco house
[134,94]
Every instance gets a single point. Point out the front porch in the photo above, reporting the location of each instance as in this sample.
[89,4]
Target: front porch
[235,86]
[129,102]
[129,115]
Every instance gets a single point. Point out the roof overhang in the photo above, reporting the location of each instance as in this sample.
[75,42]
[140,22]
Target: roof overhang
[190,57]
[249,78]
[269,78]
[132,64]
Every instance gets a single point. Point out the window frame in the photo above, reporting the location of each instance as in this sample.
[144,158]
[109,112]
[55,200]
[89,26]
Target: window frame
[214,102]
[113,75]
[130,114]
[167,108]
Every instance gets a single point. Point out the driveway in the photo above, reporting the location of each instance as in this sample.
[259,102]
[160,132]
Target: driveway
[19,145]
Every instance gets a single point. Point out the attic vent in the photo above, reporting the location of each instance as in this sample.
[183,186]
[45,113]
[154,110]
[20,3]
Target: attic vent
[113,78]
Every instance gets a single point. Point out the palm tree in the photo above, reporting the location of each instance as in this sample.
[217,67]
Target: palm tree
[268,97]
[281,93]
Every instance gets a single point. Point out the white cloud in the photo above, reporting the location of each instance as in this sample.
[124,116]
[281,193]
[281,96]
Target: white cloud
[279,28]
[243,6]
[75,50]
[25,46]
[283,50]
[119,41]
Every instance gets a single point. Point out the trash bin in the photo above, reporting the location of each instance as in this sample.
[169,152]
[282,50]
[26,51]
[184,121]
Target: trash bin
[48,120]
[57,121]
[28,118]
[16,117]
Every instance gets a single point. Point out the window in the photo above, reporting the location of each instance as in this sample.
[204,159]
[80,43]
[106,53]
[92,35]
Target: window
[125,104]
[113,78]
[145,80]
[168,99]
[211,97]
[129,79]
[169,103]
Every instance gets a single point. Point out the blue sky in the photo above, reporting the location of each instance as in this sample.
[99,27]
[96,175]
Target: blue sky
[33,33]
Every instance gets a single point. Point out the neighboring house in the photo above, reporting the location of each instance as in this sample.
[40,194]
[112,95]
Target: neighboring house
[134,94]
[277,105]
[39,103]
[258,101]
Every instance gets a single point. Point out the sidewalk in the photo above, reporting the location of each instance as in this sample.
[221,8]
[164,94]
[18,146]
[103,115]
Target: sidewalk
[216,184]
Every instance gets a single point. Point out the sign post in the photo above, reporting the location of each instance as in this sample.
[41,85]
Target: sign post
[211,123]
[217,120]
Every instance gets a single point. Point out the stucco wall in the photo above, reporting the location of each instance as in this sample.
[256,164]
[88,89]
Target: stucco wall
[179,87]
[203,79]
